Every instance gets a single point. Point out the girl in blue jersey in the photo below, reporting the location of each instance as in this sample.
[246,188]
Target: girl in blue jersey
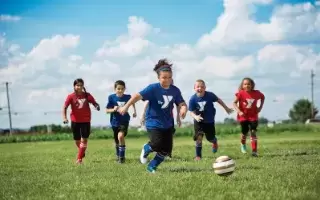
[159,118]
[203,111]
[119,123]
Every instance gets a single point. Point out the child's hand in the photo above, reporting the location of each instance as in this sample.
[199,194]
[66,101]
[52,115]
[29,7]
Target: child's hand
[98,107]
[241,113]
[122,110]
[179,121]
[142,121]
[198,118]
[65,121]
[229,110]
[183,112]
[134,115]
[115,109]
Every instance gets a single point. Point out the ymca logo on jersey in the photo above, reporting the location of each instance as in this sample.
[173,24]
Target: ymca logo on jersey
[166,101]
[202,104]
[80,103]
[249,103]
[121,103]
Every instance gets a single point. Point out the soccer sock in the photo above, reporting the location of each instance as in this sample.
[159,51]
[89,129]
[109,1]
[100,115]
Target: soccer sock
[117,149]
[215,143]
[82,149]
[78,143]
[122,150]
[243,139]
[198,149]
[157,160]
[254,143]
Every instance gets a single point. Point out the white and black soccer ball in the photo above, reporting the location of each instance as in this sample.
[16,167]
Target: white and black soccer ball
[224,166]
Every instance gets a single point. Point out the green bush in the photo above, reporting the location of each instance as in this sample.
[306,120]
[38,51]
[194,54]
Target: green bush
[186,132]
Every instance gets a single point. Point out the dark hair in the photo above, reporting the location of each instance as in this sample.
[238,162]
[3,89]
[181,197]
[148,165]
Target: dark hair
[248,79]
[119,82]
[80,80]
[162,65]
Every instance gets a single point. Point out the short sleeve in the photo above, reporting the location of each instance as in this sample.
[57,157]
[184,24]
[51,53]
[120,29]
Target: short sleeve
[147,92]
[68,101]
[192,104]
[179,99]
[261,95]
[91,99]
[109,103]
[214,97]
[238,94]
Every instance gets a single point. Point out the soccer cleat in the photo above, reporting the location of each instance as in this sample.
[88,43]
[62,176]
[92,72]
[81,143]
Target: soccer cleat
[151,169]
[197,158]
[243,148]
[254,154]
[121,160]
[214,147]
[79,161]
[144,154]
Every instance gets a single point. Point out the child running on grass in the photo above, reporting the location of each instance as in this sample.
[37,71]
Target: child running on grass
[245,104]
[119,123]
[201,106]
[80,116]
[161,97]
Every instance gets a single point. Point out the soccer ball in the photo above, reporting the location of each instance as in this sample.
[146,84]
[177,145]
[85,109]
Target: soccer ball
[224,166]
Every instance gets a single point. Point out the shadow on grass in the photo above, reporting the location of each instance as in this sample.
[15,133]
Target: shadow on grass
[188,169]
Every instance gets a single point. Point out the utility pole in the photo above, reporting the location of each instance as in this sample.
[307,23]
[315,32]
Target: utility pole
[312,93]
[9,108]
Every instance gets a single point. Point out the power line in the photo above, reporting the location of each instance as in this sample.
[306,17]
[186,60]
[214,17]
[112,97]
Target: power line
[9,108]
[312,93]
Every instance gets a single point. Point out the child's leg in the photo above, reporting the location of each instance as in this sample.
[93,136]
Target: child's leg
[253,138]
[146,149]
[197,137]
[76,134]
[122,146]
[210,131]
[244,132]
[85,129]
[116,140]
[161,141]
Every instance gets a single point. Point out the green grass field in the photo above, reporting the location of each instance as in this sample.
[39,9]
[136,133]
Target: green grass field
[288,168]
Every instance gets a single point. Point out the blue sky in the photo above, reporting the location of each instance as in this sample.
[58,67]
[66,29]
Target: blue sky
[188,34]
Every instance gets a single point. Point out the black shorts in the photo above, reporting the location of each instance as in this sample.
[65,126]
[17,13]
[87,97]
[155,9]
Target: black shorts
[122,128]
[247,126]
[80,130]
[207,129]
[161,140]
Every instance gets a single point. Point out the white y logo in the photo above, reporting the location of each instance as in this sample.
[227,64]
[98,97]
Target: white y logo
[202,104]
[81,102]
[250,102]
[121,103]
[167,100]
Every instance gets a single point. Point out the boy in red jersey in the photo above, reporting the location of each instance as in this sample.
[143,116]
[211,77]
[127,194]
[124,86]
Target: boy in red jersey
[245,104]
[80,115]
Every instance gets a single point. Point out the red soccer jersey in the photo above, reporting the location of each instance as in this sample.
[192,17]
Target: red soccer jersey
[80,109]
[248,104]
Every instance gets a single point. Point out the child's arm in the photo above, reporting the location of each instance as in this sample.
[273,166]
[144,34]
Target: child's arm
[64,110]
[196,117]
[143,115]
[262,103]
[133,100]
[183,109]
[226,108]
[92,100]
[134,110]
[235,105]
[111,110]
[178,116]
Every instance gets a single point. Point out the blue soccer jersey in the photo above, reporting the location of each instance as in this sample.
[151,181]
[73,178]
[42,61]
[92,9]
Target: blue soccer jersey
[159,112]
[116,119]
[204,106]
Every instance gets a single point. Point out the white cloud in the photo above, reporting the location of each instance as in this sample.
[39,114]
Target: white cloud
[9,18]
[131,44]
[42,77]
[235,27]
